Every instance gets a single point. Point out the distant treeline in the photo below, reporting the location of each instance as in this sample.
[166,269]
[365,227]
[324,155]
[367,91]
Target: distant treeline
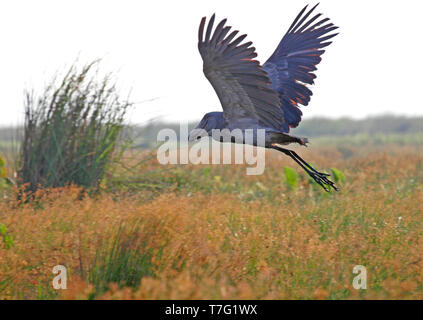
[348,127]
[146,135]
[314,128]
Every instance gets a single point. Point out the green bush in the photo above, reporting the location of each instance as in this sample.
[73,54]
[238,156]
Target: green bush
[71,131]
[3,175]
[7,238]
[291,177]
[337,175]
[2,169]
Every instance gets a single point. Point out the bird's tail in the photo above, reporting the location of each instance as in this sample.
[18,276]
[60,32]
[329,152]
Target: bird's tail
[284,139]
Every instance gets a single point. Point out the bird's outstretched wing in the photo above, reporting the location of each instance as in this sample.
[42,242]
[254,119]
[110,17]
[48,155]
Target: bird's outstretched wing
[292,64]
[242,86]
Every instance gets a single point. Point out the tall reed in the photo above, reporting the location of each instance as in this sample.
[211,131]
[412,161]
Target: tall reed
[71,130]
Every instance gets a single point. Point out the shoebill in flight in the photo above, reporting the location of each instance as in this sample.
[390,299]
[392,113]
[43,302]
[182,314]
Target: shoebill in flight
[264,97]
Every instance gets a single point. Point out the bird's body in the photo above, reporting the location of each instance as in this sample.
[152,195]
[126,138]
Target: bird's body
[216,121]
[266,98]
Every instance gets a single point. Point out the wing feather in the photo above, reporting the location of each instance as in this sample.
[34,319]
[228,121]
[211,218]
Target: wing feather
[292,64]
[242,86]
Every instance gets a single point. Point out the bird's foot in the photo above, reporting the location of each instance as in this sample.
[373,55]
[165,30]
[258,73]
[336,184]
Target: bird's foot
[321,178]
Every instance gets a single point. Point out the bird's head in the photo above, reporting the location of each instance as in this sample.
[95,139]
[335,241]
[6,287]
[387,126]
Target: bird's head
[210,121]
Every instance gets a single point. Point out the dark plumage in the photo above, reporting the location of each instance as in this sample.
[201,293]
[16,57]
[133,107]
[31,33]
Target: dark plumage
[292,64]
[264,97]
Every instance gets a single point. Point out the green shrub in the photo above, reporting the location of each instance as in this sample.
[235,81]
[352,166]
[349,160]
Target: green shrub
[3,175]
[71,131]
[338,175]
[291,177]
[7,238]
[2,169]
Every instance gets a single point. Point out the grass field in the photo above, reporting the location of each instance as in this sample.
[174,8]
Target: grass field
[212,232]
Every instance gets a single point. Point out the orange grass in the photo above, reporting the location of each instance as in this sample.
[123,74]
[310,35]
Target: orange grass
[229,237]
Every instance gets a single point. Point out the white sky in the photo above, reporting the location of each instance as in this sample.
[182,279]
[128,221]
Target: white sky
[374,66]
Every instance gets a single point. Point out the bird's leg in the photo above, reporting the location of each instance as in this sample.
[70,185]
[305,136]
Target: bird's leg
[306,164]
[319,177]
